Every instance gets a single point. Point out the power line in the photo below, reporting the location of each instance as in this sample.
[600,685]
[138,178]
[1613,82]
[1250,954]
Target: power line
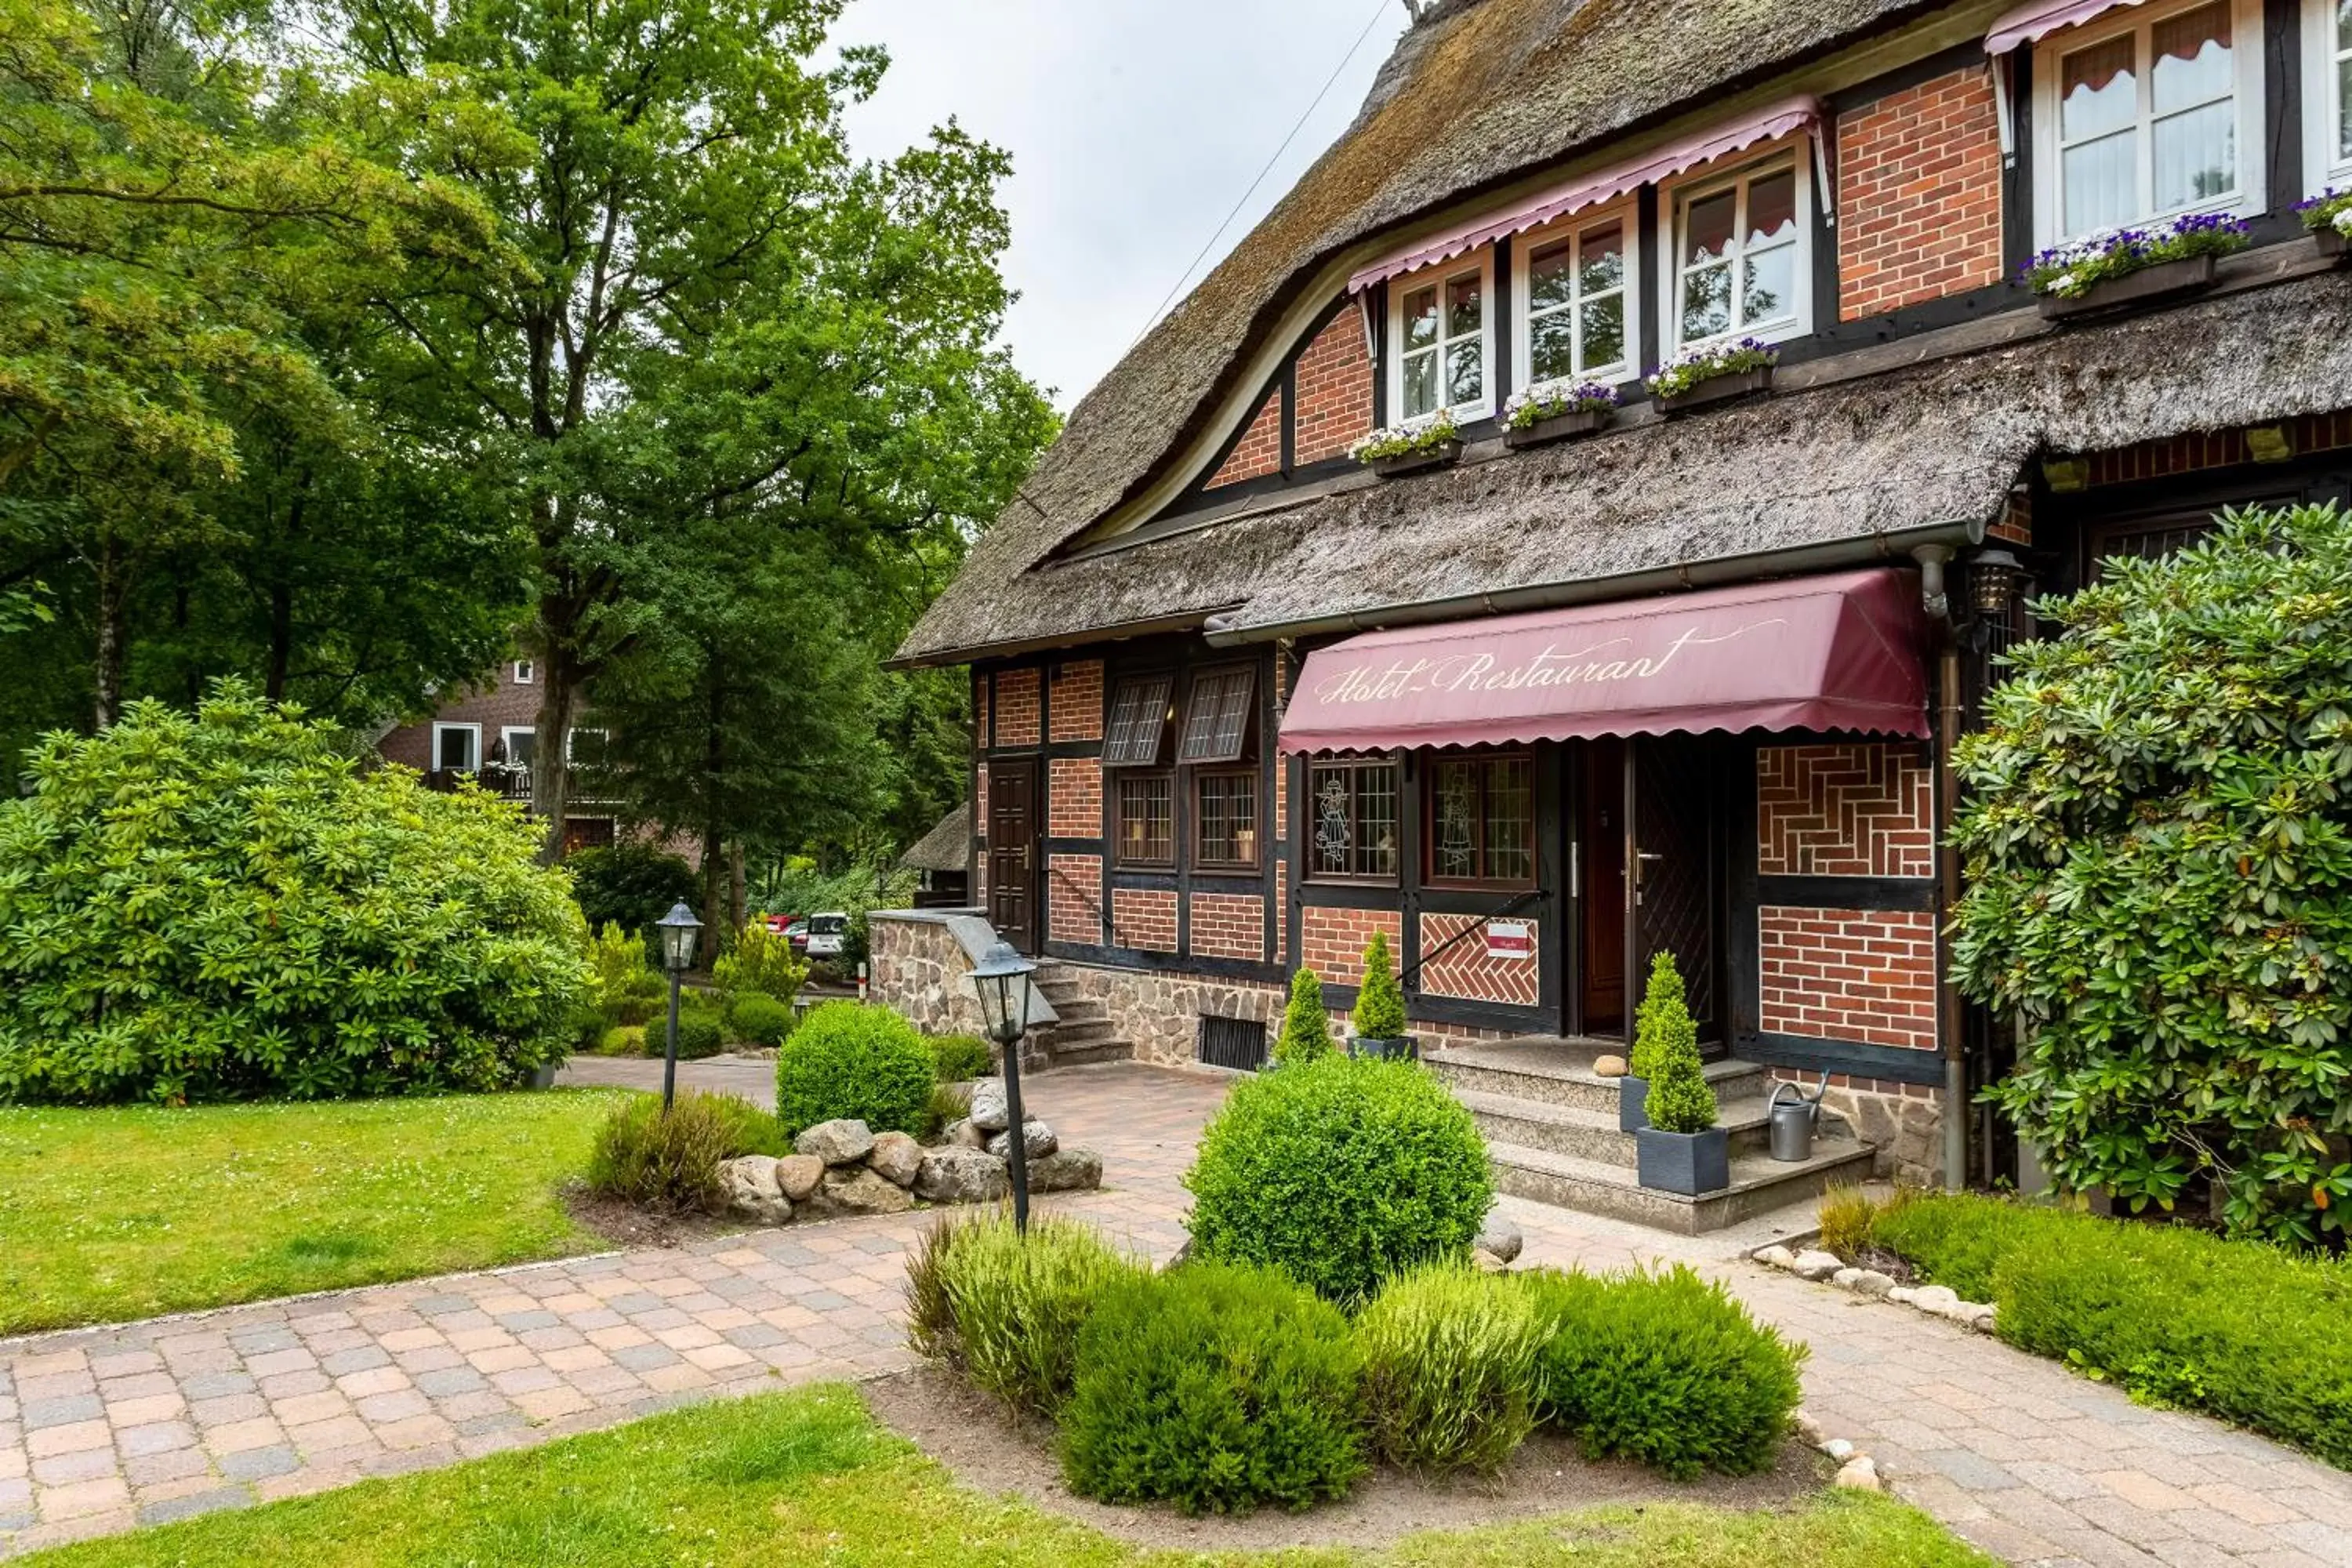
[1337,72]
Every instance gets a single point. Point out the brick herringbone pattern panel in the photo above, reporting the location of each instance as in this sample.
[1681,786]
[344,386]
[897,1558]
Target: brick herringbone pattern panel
[1464,971]
[1860,810]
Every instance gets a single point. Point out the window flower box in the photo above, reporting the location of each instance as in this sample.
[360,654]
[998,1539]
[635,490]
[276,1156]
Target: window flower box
[2129,266]
[1431,441]
[2329,219]
[1555,410]
[1712,372]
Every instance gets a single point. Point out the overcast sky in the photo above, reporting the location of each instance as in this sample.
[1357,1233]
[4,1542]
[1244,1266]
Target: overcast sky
[1134,126]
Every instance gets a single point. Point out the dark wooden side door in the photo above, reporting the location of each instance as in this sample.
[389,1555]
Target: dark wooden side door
[1678,887]
[1600,855]
[1012,857]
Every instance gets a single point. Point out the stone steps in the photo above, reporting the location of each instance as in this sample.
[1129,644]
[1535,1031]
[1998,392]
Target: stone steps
[1594,1134]
[1551,1075]
[1085,1033]
[1760,1185]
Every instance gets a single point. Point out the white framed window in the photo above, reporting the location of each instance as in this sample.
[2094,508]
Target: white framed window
[456,748]
[525,672]
[1739,249]
[2150,113]
[1575,307]
[1442,340]
[2326,95]
[521,742]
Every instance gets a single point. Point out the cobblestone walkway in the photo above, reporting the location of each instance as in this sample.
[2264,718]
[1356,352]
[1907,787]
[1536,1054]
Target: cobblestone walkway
[103,1429]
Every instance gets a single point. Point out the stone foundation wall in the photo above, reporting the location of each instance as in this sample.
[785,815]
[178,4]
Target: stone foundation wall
[1160,1014]
[1904,1122]
[916,967]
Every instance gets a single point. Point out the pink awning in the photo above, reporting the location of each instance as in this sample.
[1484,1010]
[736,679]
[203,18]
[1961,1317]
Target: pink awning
[1592,190]
[2032,22]
[1838,652]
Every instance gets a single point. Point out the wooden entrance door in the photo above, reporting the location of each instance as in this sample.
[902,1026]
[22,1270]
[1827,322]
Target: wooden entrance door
[1013,859]
[1678,893]
[1601,856]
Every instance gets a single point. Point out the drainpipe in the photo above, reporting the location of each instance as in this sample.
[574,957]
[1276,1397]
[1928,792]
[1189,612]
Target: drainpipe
[1936,601]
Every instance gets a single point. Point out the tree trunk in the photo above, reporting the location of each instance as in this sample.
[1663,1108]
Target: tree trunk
[714,893]
[281,642]
[108,656]
[739,906]
[550,770]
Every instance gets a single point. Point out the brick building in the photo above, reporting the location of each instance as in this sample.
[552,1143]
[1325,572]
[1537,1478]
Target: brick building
[1689,683]
[486,734]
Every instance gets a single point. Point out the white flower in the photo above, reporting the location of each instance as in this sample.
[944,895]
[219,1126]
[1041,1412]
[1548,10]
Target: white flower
[2344,223]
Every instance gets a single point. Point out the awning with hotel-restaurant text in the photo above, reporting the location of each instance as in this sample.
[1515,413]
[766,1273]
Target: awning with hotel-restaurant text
[1838,652]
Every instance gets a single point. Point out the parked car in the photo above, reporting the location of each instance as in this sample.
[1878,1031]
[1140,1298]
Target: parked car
[826,936]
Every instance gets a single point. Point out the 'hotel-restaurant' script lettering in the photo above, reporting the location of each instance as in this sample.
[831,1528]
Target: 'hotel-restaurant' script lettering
[1466,672]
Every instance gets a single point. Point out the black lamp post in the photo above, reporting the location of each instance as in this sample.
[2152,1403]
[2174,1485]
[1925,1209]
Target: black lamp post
[1003,979]
[679,930]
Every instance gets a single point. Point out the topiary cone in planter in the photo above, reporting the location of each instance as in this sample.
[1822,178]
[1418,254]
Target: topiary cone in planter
[1682,1150]
[1306,1026]
[1663,994]
[1380,1005]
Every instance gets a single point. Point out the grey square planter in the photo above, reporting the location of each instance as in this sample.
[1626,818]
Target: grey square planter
[1403,1048]
[1718,389]
[2149,285]
[1560,427]
[1686,1163]
[1633,1103]
[2330,245]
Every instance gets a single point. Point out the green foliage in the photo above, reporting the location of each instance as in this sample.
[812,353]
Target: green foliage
[1341,1171]
[847,1060]
[1214,1387]
[761,962]
[2158,846]
[1380,1004]
[1008,1311]
[222,906]
[631,884]
[750,1130]
[958,1058]
[949,1103]
[625,990]
[701,1030]
[1848,1215]
[1664,1367]
[668,1163]
[1680,1097]
[760,1019]
[622,1040]
[1305,1025]
[1449,1377]
[2237,1329]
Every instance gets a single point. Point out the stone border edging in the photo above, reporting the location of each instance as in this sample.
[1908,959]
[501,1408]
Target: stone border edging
[1829,1269]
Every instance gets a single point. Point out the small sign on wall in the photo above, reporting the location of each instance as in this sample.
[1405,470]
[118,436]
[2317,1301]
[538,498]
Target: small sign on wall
[1510,939]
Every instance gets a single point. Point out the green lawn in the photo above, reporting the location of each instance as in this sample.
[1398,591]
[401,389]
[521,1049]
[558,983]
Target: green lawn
[807,1478]
[124,1212]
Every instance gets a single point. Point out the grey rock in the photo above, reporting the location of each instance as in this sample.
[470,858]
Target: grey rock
[1806,1426]
[1980,1316]
[837,1142]
[1486,1262]
[1037,1135]
[1504,1242]
[1902,1295]
[1838,1448]
[1845,1279]
[753,1192]
[1066,1170]
[964,1134]
[1814,1264]
[1776,1256]
[1183,1254]
[799,1175]
[860,1191]
[962,1176]
[1939,1299]
[1871,1282]
[988,1109]
[1858,1474]
[896,1156]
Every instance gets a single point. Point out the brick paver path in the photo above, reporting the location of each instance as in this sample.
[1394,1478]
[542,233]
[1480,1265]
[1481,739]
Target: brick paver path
[103,1429]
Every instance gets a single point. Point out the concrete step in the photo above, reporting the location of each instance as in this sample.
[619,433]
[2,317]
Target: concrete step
[1085,1031]
[1086,1055]
[1079,1010]
[1758,1185]
[1586,1134]
[1550,1075]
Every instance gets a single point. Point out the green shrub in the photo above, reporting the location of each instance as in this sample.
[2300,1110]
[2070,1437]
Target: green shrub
[1848,1215]
[223,905]
[701,1031]
[1341,1171]
[1305,1025]
[848,1061]
[949,1103]
[1215,1388]
[2239,1330]
[1680,1099]
[931,1317]
[956,1058]
[623,1040]
[1666,1368]
[625,991]
[631,884]
[1379,1002]
[762,962]
[761,1019]
[1010,1311]
[750,1130]
[2158,876]
[1449,1358]
[1663,1005]
[667,1164]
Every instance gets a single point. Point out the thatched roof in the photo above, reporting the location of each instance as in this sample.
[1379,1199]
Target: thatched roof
[1475,96]
[1937,442]
[947,847]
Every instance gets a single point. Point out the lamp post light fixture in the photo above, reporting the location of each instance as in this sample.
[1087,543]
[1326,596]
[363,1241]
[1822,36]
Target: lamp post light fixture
[679,930]
[1006,980]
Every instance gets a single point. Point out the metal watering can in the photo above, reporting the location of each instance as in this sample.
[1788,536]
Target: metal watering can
[1794,1123]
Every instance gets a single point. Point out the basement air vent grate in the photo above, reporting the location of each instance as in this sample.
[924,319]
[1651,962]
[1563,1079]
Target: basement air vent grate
[1237,1043]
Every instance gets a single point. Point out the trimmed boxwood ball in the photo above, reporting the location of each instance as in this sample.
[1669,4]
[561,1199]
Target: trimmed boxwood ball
[1666,1368]
[1342,1171]
[1215,1388]
[700,1033]
[1450,1367]
[865,1064]
[761,1019]
[958,1058]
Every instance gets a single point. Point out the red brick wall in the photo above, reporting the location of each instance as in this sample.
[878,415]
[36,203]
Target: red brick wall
[1464,970]
[1071,880]
[1331,940]
[1919,194]
[1017,708]
[1075,790]
[2214,450]
[1259,452]
[497,704]
[1228,925]
[1860,810]
[1077,705]
[1144,918]
[1849,974]
[1335,389]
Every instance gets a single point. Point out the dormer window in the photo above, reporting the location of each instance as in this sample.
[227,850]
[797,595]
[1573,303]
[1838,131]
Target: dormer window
[1439,322]
[1740,250]
[1575,301]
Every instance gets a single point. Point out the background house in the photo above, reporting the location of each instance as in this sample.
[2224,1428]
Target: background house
[486,734]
